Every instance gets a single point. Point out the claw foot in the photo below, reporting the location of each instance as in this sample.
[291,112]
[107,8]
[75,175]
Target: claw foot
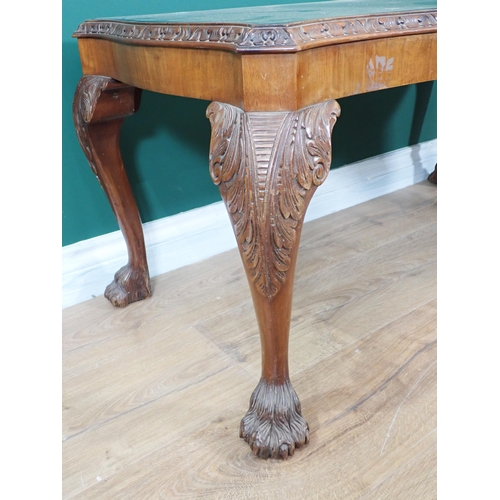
[274,426]
[129,285]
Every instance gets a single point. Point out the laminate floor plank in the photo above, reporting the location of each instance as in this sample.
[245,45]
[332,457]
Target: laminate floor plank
[355,230]
[103,451]
[371,411]
[153,393]
[144,374]
[174,295]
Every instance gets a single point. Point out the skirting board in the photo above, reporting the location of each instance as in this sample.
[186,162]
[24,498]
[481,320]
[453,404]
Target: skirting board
[182,239]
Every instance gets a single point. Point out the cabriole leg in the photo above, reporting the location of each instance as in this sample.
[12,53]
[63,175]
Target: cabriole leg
[267,167]
[99,108]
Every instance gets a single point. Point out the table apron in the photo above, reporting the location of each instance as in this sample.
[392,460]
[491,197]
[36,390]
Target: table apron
[266,81]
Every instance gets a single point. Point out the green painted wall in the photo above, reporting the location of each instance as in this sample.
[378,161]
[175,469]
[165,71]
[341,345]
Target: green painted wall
[165,145]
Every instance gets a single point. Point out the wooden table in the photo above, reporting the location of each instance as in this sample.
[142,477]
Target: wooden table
[273,74]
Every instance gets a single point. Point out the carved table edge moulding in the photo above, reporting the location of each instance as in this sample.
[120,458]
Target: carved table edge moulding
[269,38]
[267,156]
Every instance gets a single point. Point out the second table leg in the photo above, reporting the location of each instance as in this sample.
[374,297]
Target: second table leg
[100,105]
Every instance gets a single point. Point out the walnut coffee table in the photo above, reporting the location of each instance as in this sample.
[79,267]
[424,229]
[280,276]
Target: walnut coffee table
[272,74]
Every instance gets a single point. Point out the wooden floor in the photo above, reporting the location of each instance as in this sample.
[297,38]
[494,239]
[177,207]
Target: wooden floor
[153,394]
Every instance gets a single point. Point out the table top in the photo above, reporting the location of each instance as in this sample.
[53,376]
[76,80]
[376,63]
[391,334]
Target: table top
[287,27]
[285,13]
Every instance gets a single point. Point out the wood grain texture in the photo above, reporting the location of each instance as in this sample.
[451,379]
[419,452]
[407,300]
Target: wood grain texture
[153,394]
[268,81]
[202,74]
[343,70]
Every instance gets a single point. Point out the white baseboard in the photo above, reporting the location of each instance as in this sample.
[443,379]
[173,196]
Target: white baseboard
[182,239]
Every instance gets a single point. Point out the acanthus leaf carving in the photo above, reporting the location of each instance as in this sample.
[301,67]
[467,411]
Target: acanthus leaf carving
[87,94]
[267,166]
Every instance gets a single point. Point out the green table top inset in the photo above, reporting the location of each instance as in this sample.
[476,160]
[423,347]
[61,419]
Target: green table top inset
[277,28]
[283,14]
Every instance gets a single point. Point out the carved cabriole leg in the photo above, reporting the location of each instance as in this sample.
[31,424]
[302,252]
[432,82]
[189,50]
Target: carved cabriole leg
[99,108]
[433,176]
[267,167]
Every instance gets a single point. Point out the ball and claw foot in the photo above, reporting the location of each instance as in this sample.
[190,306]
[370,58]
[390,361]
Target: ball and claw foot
[274,426]
[129,285]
